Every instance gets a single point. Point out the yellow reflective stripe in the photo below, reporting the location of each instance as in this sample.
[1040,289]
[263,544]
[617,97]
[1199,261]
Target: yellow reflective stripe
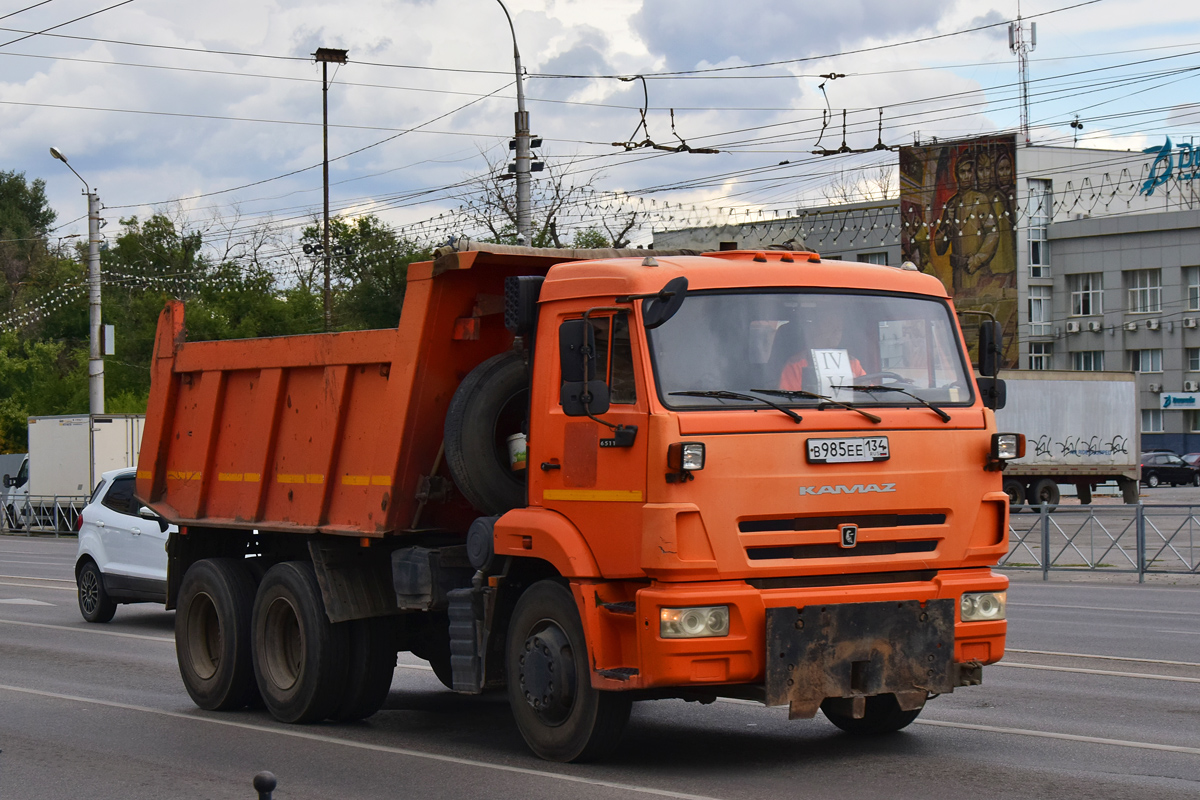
[594,495]
[313,478]
[239,477]
[285,478]
[143,475]
[173,475]
[251,477]
[381,480]
[356,480]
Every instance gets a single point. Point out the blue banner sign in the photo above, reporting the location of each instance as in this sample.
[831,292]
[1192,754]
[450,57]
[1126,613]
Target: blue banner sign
[1179,161]
[1180,401]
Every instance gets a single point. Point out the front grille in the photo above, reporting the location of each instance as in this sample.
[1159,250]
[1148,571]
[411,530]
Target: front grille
[858,579]
[863,521]
[837,551]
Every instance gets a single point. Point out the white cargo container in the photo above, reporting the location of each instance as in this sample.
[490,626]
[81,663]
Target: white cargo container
[67,454]
[1080,428]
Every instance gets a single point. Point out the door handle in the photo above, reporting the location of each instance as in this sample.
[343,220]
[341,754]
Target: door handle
[99,524]
[136,531]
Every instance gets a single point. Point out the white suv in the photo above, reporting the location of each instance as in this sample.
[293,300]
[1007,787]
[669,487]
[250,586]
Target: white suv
[122,554]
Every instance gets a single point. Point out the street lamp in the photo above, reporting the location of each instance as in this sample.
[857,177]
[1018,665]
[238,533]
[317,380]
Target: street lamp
[327,56]
[524,221]
[95,359]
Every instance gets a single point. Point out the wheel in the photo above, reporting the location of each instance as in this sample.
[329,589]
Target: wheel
[883,716]
[1016,492]
[488,407]
[1196,479]
[1084,492]
[212,633]
[94,602]
[300,657]
[1045,491]
[372,662]
[1152,480]
[560,715]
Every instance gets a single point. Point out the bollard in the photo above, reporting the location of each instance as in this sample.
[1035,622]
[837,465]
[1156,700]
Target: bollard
[264,784]
[1045,521]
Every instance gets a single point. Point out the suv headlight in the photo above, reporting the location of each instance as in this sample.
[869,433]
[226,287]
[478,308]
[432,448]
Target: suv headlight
[982,606]
[694,623]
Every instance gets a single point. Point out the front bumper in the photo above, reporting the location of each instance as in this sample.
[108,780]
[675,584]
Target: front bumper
[636,657]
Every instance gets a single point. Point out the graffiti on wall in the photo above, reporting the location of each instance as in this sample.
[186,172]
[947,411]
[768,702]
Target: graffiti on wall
[958,207]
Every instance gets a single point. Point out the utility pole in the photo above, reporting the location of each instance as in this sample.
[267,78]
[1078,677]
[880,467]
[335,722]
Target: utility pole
[524,213]
[95,355]
[1022,47]
[327,55]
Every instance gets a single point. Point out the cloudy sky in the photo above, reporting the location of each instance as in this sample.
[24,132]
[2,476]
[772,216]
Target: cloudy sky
[214,108]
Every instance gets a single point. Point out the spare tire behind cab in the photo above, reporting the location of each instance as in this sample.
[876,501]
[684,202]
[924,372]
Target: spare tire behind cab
[488,407]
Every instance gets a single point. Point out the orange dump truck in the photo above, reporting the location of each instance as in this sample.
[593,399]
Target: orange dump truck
[591,477]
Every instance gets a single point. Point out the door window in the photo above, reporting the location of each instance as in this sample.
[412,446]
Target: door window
[120,496]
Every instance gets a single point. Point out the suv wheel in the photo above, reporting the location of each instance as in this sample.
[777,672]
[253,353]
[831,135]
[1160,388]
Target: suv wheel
[94,603]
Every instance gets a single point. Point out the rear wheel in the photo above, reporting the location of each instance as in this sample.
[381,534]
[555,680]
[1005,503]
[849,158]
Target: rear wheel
[1045,491]
[212,633]
[300,657]
[560,715]
[1152,480]
[372,663]
[883,715]
[94,603]
[1016,492]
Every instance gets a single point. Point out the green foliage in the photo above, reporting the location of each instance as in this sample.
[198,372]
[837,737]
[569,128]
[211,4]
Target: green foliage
[37,378]
[589,238]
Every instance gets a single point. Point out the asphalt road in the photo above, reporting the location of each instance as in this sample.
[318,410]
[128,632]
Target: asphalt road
[1098,697]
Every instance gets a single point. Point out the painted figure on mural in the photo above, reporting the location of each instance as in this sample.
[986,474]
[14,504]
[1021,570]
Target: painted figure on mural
[967,226]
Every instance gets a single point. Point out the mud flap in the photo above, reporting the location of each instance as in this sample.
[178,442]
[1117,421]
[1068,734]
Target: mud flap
[853,651]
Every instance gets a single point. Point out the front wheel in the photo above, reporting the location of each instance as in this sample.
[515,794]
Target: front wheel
[1045,491]
[560,715]
[212,633]
[1015,491]
[94,603]
[1152,480]
[883,715]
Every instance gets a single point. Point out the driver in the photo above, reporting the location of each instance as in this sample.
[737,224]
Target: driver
[823,332]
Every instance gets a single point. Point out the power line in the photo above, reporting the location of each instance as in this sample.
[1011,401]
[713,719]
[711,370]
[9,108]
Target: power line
[26,8]
[31,34]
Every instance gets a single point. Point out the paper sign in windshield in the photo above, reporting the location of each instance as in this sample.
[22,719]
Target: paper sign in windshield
[833,369]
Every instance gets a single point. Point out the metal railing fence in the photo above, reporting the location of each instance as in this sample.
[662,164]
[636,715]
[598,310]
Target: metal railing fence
[43,514]
[1141,539]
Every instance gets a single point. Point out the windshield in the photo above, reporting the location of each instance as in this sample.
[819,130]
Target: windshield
[853,348]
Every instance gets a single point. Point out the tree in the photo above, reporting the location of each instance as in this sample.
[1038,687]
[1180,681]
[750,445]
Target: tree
[856,185]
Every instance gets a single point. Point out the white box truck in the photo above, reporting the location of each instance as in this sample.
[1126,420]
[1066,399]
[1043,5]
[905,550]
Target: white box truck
[67,454]
[1080,428]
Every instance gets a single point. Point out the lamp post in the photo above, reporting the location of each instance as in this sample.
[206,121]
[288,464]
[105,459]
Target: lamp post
[95,358]
[327,56]
[524,221]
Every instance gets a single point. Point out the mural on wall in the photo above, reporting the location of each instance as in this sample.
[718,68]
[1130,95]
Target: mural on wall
[957,204]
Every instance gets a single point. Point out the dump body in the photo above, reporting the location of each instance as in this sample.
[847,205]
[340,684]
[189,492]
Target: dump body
[1080,427]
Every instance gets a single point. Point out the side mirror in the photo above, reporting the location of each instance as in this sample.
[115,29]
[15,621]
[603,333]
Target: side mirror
[146,512]
[658,309]
[990,347]
[8,481]
[582,394]
[993,392]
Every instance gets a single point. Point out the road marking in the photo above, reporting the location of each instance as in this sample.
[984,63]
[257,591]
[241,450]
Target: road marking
[94,631]
[1105,608]
[63,563]
[1110,673]
[43,588]
[24,601]
[1109,658]
[1186,633]
[1069,737]
[295,733]
[35,578]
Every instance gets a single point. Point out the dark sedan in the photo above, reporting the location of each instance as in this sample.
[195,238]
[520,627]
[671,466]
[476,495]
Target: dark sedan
[1169,468]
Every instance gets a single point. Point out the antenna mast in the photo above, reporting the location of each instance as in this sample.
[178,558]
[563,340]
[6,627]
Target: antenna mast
[1022,47]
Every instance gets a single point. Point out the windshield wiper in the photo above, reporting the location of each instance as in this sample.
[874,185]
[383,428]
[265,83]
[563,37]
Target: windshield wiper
[721,394]
[825,401]
[874,387]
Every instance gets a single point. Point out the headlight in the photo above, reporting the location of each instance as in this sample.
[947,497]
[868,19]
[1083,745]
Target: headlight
[694,623]
[685,456]
[1008,445]
[982,606]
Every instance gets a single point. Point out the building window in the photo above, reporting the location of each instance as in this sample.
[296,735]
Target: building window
[1192,420]
[1145,290]
[1152,420]
[1145,360]
[1039,310]
[1041,205]
[1039,354]
[1087,294]
[1191,280]
[1088,360]
[873,258]
[1193,359]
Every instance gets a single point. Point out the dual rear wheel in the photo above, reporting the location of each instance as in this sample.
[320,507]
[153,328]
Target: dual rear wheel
[236,644]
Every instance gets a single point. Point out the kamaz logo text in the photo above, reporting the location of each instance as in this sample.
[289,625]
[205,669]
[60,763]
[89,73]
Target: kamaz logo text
[841,488]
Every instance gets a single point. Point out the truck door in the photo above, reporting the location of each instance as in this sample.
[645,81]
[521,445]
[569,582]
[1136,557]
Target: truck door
[576,465]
